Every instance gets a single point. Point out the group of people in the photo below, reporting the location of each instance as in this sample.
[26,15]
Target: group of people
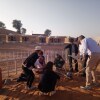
[35,63]
[89,53]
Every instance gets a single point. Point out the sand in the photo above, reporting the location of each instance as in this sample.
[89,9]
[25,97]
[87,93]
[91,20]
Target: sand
[65,90]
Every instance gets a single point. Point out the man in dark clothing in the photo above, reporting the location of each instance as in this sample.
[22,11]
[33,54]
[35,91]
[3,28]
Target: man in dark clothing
[49,79]
[58,62]
[28,65]
[72,48]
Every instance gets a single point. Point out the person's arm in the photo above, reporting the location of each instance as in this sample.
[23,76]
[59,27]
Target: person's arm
[36,64]
[57,75]
[67,46]
[76,49]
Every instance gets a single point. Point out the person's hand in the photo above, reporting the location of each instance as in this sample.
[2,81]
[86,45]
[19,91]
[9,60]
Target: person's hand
[30,68]
[79,57]
[83,57]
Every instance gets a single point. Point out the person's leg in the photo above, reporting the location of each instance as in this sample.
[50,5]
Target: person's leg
[95,79]
[94,76]
[31,78]
[28,81]
[70,64]
[97,61]
[88,76]
[84,65]
[92,63]
[28,76]
[76,65]
[88,79]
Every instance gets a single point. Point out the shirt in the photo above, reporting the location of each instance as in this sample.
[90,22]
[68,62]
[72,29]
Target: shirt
[89,46]
[81,51]
[38,64]
[30,60]
[48,81]
[73,48]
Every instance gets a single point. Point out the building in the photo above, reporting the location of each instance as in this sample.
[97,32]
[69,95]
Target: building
[8,36]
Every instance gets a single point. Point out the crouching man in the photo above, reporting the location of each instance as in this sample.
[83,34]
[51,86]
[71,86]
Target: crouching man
[28,65]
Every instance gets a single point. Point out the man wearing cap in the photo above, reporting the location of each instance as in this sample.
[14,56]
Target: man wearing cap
[28,65]
[90,46]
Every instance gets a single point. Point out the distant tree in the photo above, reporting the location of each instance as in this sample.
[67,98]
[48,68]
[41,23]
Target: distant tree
[2,25]
[47,32]
[17,25]
[23,30]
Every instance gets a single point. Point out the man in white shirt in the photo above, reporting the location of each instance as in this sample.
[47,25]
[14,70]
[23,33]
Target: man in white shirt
[90,46]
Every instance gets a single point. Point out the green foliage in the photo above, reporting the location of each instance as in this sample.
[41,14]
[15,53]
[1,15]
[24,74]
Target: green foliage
[17,25]
[47,32]
[2,25]
[23,30]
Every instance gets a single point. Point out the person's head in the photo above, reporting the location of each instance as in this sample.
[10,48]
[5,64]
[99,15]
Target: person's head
[41,59]
[76,39]
[38,49]
[49,65]
[40,53]
[80,38]
[71,40]
[58,56]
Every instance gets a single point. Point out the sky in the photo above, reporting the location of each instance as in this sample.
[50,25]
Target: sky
[62,17]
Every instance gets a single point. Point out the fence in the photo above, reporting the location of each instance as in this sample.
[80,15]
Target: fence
[11,62]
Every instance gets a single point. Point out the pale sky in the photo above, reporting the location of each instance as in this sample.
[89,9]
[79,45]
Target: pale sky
[62,17]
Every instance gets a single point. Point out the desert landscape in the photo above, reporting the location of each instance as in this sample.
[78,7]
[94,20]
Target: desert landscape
[66,89]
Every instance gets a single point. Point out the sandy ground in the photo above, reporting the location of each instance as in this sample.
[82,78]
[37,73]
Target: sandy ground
[66,90]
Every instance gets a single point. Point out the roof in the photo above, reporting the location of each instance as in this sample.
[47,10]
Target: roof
[7,32]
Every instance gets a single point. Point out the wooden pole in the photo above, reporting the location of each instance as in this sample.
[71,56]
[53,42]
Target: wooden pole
[0,78]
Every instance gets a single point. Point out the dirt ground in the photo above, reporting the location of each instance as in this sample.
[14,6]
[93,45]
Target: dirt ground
[65,90]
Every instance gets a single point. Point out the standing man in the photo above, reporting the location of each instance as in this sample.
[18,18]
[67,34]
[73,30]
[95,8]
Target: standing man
[72,49]
[90,46]
[28,65]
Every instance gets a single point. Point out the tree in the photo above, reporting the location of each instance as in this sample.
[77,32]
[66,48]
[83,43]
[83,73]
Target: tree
[2,25]
[17,25]
[47,32]
[23,30]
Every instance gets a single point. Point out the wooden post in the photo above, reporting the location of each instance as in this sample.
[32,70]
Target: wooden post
[16,66]
[0,78]
[13,55]
[7,65]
